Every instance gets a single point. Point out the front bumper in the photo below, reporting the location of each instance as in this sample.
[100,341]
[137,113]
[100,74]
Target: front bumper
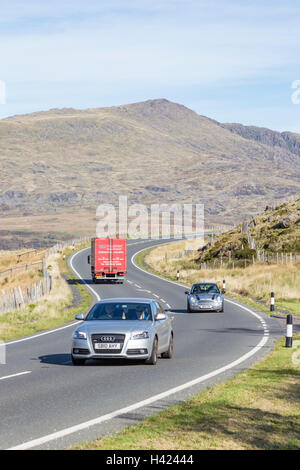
[130,349]
[207,306]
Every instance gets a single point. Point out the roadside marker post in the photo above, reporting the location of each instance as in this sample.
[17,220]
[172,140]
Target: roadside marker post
[272,305]
[289,331]
[224,287]
[178,275]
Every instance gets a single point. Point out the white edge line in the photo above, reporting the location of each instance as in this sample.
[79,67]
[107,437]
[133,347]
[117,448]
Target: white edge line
[77,274]
[42,334]
[79,427]
[15,375]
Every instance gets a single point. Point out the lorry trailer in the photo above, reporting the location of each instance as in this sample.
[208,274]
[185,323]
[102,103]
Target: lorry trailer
[108,259]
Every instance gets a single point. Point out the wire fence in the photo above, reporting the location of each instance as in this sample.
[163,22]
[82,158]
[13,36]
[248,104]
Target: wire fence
[18,297]
[22,268]
[231,262]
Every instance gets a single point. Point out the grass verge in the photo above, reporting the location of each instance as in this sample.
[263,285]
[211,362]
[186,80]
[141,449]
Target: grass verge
[257,409]
[54,310]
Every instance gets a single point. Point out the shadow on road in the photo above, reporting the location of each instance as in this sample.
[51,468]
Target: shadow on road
[56,359]
[66,360]
[79,281]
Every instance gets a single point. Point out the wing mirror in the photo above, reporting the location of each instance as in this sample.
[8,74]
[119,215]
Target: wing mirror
[160,316]
[79,316]
[187,292]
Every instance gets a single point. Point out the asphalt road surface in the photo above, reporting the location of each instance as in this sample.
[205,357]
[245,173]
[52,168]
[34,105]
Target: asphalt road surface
[47,403]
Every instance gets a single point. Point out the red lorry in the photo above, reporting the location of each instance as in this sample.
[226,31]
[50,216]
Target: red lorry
[108,259]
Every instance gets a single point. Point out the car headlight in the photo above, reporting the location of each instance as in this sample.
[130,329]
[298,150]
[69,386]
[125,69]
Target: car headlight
[193,299]
[140,335]
[79,335]
[218,299]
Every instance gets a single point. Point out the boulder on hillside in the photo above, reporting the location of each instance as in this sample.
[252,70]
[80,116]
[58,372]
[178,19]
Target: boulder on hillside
[288,220]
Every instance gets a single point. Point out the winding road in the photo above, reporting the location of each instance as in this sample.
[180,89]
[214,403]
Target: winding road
[46,403]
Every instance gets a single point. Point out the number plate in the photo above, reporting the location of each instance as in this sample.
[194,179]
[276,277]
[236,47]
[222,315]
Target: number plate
[107,346]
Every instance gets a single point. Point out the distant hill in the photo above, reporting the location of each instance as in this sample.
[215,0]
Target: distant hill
[68,160]
[277,229]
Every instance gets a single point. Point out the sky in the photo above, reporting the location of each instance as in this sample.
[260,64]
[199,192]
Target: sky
[230,60]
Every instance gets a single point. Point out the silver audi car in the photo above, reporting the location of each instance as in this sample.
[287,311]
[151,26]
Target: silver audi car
[123,328]
[205,296]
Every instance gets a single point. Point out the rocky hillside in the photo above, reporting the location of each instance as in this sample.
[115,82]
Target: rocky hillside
[66,161]
[284,140]
[276,230]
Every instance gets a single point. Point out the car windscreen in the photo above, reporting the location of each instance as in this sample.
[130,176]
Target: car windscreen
[120,311]
[205,289]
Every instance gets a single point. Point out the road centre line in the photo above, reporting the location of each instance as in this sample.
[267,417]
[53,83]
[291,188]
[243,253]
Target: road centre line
[15,375]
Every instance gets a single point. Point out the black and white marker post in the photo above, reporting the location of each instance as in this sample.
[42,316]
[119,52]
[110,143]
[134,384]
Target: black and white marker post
[178,275]
[289,331]
[272,305]
[224,287]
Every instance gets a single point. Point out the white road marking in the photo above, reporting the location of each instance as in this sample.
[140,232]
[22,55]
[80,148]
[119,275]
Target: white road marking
[15,375]
[42,334]
[157,296]
[77,274]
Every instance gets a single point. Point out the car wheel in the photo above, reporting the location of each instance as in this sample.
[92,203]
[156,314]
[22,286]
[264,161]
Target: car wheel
[188,308]
[169,353]
[78,362]
[153,358]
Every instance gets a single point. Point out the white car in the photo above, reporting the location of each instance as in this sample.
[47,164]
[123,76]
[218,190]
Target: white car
[123,328]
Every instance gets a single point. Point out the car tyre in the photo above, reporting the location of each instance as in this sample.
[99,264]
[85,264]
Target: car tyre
[152,360]
[169,353]
[78,362]
[188,308]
